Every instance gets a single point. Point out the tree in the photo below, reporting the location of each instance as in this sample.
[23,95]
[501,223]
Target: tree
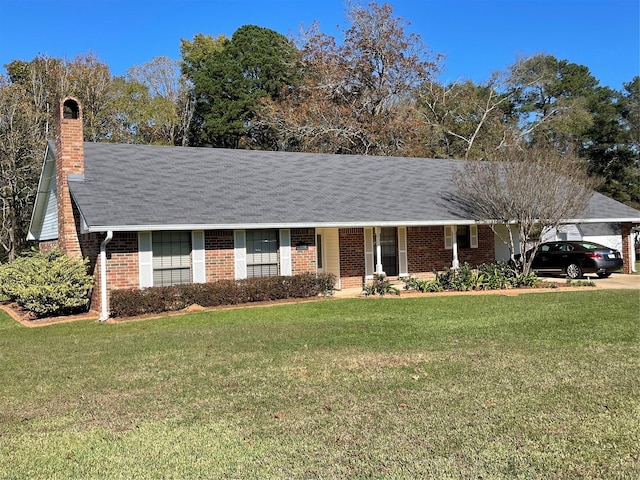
[21,147]
[89,81]
[503,192]
[48,80]
[357,97]
[45,80]
[466,120]
[612,144]
[231,76]
[170,93]
[551,98]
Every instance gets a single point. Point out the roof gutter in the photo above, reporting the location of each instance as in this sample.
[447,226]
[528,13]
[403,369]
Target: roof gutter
[352,224]
[103,276]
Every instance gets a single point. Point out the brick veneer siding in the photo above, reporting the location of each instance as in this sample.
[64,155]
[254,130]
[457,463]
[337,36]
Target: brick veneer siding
[426,252]
[69,161]
[303,251]
[352,269]
[219,255]
[486,251]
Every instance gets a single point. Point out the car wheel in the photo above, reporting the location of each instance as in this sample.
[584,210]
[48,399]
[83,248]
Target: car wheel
[604,274]
[574,271]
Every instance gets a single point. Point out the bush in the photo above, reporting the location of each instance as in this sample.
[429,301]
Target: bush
[379,286]
[129,303]
[490,276]
[47,283]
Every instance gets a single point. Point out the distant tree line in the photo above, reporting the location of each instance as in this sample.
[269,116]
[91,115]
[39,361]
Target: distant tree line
[374,92]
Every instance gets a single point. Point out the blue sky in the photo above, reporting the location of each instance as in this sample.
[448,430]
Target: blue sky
[477,36]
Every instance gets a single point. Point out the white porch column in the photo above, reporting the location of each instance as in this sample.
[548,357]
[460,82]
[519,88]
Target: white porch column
[379,270]
[632,248]
[454,246]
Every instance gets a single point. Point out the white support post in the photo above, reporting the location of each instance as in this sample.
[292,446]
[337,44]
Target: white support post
[632,250]
[379,270]
[454,246]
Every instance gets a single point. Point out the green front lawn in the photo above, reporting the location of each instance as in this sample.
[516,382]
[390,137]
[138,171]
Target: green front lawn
[540,385]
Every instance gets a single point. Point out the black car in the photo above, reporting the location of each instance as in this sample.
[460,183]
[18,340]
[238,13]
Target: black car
[575,258]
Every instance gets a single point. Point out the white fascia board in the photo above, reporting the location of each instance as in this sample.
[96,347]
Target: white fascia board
[603,220]
[251,226]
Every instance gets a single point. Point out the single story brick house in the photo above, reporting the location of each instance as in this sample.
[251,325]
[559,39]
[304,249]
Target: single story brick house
[153,215]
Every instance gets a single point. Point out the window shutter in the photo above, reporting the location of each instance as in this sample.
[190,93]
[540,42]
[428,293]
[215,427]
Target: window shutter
[197,257]
[145,259]
[448,237]
[240,254]
[403,268]
[368,252]
[285,252]
[473,236]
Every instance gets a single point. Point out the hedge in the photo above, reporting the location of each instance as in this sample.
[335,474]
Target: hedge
[134,302]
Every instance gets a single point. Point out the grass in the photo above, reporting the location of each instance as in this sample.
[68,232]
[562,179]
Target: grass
[540,385]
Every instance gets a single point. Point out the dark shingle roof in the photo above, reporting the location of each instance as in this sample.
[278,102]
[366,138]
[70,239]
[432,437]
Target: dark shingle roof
[150,186]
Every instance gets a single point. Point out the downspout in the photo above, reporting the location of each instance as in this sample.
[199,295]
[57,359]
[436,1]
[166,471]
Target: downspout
[103,276]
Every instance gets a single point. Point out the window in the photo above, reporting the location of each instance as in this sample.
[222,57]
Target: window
[262,253]
[171,258]
[466,236]
[463,237]
[319,251]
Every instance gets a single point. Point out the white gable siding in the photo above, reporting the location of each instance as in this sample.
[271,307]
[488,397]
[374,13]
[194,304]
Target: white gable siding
[50,222]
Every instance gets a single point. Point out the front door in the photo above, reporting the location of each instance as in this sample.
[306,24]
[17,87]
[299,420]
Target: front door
[389,250]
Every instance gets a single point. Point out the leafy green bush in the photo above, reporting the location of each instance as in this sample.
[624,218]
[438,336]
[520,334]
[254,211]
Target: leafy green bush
[379,286]
[47,283]
[490,276]
[132,302]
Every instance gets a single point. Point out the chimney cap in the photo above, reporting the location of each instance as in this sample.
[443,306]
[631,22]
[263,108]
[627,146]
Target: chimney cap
[71,108]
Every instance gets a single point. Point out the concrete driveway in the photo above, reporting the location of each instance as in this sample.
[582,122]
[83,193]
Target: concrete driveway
[616,280]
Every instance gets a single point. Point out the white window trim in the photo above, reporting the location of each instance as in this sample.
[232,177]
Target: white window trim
[448,237]
[145,259]
[285,252]
[240,254]
[368,253]
[473,236]
[198,264]
[403,267]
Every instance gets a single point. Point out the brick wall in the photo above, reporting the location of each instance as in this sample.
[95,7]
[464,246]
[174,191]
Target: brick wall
[426,252]
[69,160]
[303,250]
[351,241]
[219,255]
[486,251]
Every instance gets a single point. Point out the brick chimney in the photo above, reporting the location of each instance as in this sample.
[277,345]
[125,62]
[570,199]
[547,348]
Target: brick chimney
[69,162]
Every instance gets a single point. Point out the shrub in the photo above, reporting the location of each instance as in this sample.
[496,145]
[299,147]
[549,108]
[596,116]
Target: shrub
[47,283]
[380,286]
[491,276]
[129,303]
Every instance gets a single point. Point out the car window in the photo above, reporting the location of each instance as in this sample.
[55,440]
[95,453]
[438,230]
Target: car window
[565,247]
[590,246]
[545,248]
